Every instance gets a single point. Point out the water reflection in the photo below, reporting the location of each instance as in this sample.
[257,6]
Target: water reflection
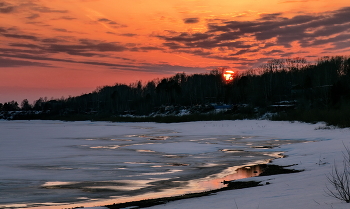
[241,173]
[212,182]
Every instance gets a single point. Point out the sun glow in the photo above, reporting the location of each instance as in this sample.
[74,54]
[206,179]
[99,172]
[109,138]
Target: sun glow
[229,75]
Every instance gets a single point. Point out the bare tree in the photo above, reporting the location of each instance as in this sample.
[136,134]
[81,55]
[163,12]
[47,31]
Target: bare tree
[340,179]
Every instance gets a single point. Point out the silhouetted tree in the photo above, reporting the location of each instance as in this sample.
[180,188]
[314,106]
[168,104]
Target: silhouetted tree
[38,104]
[10,106]
[25,105]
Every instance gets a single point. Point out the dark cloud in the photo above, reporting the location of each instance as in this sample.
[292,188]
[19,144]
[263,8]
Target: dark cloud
[324,31]
[33,16]
[228,36]
[82,47]
[170,69]
[18,36]
[104,20]
[273,52]
[308,30]
[187,38]
[86,49]
[129,34]
[273,16]
[50,40]
[280,53]
[42,24]
[65,18]
[24,49]
[172,45]
[7,62]
[236,44]
[340,45]
[32,46]
[199,52]
[336,39]
[191,20]
[160,68]
[100,46]
[112,23]
[61,30]
[45,58]
[104,47]
[149,48]
[44,9]
[244,51]
[203,40]
[24,54]
[23,58]
[231,58]
[6,8]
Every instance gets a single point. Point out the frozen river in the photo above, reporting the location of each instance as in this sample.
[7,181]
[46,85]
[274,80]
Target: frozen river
[49,163]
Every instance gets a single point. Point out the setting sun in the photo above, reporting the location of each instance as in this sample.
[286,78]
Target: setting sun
[228,75]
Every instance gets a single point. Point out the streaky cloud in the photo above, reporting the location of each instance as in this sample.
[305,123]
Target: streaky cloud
[270,30]
[17,36]
[44,9]
[33,16]
[191,20]
[6,62]
[6,8]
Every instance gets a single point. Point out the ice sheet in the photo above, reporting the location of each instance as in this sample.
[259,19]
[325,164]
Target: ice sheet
[94,161]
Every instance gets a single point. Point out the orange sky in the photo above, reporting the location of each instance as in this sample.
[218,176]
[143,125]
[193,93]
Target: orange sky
[68,47]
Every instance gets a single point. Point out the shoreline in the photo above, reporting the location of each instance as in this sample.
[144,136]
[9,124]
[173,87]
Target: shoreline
[268,170]
[262,169]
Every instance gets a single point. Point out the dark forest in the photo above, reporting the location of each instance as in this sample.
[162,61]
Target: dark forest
[293,89]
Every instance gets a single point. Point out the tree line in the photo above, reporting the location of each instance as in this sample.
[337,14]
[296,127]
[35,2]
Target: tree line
[324,84]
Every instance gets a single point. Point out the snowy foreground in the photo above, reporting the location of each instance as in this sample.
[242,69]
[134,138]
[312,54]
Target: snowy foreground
[317,151]
[299,190]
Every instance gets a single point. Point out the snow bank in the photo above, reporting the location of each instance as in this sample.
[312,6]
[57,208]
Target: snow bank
[298,190]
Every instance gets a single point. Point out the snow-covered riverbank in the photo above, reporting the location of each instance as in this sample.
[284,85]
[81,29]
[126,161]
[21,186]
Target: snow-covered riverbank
[298,190]
[89,155]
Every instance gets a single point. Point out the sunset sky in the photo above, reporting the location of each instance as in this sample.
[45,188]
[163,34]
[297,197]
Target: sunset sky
[54,48]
